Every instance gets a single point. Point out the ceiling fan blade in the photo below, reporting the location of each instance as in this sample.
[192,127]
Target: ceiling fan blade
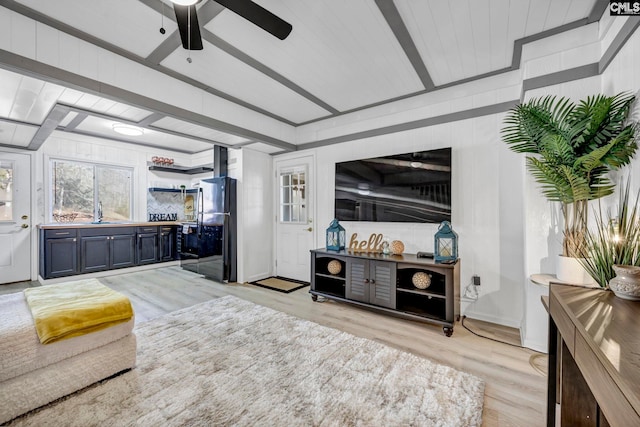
[260,16]
[187,20]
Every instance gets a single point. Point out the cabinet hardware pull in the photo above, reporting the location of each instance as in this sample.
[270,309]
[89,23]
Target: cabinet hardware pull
[366,280]
[63,234]
[74,239]
[373,281]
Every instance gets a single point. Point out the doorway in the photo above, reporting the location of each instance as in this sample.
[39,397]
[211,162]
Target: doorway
[295,227]
[15,220]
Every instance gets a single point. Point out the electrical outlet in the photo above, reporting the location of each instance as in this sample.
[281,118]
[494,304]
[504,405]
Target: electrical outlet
[476,280]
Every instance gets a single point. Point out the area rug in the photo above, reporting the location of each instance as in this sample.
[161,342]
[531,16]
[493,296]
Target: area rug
[280,284]
[231,362]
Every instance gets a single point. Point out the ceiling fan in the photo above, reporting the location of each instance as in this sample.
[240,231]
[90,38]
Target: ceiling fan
[187,19]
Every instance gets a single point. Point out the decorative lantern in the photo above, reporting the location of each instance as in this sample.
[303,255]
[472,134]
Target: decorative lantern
[445,243]
[336,236]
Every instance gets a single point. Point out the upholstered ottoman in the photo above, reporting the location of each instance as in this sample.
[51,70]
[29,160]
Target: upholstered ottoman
[33,374]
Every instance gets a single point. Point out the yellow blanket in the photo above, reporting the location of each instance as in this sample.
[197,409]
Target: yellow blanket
[76,308]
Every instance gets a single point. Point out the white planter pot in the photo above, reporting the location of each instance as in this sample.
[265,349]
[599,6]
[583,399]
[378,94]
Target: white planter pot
[569,269]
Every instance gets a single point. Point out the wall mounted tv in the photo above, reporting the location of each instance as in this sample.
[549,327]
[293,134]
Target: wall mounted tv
[411,187]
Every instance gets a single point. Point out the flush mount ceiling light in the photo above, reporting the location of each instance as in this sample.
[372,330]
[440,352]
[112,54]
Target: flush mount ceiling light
[415,164]
[127,130]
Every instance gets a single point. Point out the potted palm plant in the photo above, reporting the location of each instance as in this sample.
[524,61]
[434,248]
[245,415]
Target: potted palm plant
[571,148]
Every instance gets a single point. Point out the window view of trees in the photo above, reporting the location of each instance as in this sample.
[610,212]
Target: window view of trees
[78,188]
[6,193]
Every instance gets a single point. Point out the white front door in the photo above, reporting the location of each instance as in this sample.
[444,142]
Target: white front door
[294,217]
[15,221]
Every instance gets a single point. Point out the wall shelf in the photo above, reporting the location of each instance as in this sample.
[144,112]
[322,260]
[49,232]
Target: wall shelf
[179,169]
[172,190]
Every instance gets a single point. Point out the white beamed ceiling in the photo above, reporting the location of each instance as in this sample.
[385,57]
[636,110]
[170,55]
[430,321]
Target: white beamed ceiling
[246,87]
[342,52]
[221,71]
[128,24]
[465,38]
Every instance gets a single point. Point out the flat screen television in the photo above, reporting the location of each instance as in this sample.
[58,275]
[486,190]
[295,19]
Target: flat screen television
[411,187]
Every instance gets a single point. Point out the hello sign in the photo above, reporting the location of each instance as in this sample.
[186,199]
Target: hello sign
[373,245]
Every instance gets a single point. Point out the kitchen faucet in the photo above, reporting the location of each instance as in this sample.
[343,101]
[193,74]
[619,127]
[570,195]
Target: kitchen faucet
[99,212]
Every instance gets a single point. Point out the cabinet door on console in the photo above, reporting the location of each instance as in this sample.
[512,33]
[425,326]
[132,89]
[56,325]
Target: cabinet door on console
[357,286]
[382,284]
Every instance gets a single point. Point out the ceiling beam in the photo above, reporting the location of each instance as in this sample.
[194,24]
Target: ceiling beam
[50,123]
[128,141]
[79,118]
[151,118]
[393,18]
[142,123]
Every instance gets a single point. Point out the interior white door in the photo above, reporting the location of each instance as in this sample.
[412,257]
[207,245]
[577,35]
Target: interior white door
[294,217]
[15,221]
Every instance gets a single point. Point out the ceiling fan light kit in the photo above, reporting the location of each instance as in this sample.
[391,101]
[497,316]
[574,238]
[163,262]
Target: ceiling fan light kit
[184,2]
[187,19]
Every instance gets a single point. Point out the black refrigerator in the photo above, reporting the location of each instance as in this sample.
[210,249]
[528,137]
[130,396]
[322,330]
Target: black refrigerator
[208,246]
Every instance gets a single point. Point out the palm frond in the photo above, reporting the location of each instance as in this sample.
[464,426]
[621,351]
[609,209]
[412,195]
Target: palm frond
[571,148]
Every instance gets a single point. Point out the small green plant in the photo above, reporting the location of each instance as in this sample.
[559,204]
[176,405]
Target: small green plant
[614,240]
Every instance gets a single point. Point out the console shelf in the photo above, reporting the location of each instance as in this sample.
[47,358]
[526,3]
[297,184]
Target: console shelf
[384,283]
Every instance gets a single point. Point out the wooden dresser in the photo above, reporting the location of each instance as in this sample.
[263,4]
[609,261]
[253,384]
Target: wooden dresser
[594,358]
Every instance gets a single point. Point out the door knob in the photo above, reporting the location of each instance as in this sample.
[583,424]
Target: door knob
[25,225]
[309,229]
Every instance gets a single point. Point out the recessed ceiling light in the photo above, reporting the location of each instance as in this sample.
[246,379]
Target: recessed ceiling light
[415,164]
[127,129]
[184,2]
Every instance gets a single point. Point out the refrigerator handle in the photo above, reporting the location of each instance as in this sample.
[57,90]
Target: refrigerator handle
[200,212]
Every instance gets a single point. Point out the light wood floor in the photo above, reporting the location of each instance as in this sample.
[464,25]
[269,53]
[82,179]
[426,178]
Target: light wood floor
[515,393]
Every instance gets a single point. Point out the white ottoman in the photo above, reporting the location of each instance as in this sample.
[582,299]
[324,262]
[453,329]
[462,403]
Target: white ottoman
[33,374]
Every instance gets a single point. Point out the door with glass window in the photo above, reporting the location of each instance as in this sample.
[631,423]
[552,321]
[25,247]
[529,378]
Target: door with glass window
[15,217]
[294,218]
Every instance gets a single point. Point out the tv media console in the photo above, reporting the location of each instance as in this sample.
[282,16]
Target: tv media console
[384,283]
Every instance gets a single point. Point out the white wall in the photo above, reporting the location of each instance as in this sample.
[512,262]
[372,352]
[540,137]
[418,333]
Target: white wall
[623,75]
[255,226]
[486,206]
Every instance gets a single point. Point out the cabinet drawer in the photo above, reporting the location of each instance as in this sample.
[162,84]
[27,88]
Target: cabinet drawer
[144,230]
[60,233]
[103,231]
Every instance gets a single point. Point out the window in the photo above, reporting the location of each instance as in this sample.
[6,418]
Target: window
[78,190]
[293,196]
[6,191]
